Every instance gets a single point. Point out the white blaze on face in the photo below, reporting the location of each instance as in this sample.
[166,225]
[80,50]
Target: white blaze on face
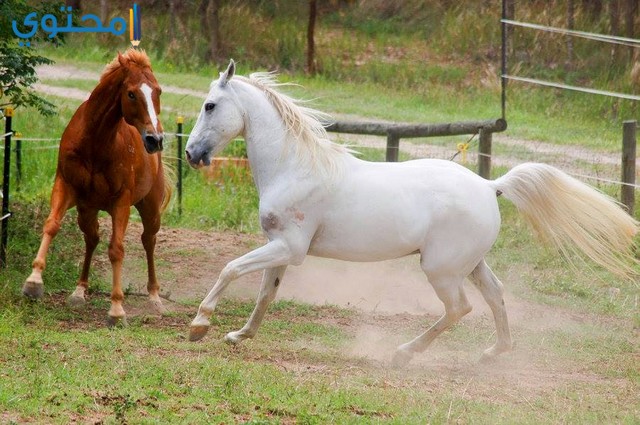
[146,90]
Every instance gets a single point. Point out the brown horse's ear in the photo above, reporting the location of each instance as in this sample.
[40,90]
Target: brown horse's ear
[122,60]
[226,75]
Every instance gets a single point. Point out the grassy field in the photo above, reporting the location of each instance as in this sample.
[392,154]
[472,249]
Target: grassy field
[576,328]
[575,359]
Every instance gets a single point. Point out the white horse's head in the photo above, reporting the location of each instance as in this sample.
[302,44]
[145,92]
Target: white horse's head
[220,121]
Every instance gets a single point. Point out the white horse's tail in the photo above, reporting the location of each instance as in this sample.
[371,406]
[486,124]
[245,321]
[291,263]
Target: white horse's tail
[572,216]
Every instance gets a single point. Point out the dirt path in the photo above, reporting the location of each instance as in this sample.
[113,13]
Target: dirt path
[68,72]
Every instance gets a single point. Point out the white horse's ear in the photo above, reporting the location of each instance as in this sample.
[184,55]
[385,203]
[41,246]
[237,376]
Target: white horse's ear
[228,74]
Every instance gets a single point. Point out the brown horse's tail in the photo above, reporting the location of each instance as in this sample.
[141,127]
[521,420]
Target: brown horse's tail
[169,180]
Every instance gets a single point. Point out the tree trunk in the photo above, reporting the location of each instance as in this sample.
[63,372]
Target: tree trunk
[511,14]
[204,23]
[614,21]
[594,7]
[210,26]
[215,43]
[104,11]
[104,17]
[311,65]
[630,12]
[172,21]
[570,26]
[75,4]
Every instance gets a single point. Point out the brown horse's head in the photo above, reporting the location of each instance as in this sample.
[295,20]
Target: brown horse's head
[140,98]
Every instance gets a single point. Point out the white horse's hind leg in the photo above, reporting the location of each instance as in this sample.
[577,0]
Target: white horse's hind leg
[270,281]
[450,290]
[492,290]
[274,254]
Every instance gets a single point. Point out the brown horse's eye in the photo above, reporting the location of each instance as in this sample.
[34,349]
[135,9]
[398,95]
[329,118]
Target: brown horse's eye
[131,95]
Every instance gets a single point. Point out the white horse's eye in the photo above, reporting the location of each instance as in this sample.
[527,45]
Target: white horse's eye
[209,106]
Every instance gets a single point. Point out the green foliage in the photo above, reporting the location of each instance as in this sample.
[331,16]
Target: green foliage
[17,63]
[25,231]
[235,149]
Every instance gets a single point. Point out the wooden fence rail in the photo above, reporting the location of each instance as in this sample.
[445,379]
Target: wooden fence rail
[396,131]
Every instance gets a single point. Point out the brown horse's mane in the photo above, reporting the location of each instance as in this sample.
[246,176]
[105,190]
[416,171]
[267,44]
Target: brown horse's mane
[132,56]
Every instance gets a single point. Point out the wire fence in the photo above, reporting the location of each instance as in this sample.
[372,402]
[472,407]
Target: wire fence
[506,152]
[602,38]
[598,166]
[624,165]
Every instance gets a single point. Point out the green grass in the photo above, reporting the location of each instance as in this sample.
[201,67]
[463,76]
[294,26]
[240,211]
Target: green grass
[66,366]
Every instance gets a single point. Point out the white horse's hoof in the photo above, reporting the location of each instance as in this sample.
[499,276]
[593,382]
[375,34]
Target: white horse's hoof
[33,289]
[197,332]
[401,358]
[234,338]
[492,353]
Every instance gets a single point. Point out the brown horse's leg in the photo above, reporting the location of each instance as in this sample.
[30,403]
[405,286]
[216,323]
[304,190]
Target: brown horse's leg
[149,210]
[88,223]
[119,219]
[62,199]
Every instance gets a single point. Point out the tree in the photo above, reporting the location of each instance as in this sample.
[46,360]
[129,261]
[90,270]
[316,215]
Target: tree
[593,7]
[17,63]
[210,25]
[570,26]
[311,27]
[74,4]
[631,10]
[614,22]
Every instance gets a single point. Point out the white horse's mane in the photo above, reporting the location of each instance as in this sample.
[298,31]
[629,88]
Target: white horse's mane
[306,125]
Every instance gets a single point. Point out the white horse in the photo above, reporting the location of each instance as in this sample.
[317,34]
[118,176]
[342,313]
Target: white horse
[318,199]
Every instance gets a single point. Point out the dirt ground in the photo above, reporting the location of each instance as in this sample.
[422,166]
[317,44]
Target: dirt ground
[189,262]
[391,298]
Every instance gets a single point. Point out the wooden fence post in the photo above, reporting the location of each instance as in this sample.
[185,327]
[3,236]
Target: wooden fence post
[4,218]
[18,160]
[179,155]
[627,192]
[393,146]
[484,153]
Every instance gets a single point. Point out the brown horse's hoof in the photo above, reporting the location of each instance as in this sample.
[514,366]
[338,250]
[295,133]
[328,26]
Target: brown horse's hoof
[197,332]
[120,322]
[157,307]
[75,302]
[33,289]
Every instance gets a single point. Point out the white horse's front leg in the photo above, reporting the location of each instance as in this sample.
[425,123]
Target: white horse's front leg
[274,254]
[270,282]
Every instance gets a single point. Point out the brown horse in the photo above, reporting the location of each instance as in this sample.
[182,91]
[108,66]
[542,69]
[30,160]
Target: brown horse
[109,160]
